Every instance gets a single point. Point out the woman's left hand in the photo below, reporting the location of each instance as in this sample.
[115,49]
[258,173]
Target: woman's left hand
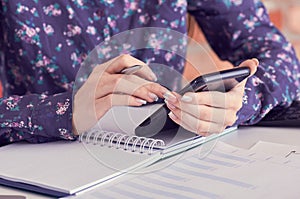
[208,112]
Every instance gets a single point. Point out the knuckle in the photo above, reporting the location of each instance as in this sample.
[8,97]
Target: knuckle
[124,77]
[140,91]
[132,101]
[204,115]
[217,128]
[108,99]
[230,120]
[147,85]
[198,97]
[115,79]
[151,86]
[200,127]
[201,133]
[230,101]
[220,129]
[233,102]
[114,82]
[124,57]
[155,85]
[239,105]
[181,115]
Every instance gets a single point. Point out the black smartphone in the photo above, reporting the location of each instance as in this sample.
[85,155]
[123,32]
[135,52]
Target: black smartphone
[222,81]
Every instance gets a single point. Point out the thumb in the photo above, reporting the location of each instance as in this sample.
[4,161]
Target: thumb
[252,64]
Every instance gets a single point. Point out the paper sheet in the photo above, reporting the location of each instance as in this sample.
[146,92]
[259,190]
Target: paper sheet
[226,172]
[282,150]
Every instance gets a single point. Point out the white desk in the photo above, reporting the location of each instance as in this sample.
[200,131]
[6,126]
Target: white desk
[244,137]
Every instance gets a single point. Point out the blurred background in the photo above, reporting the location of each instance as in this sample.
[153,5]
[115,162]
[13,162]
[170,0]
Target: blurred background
[285,14]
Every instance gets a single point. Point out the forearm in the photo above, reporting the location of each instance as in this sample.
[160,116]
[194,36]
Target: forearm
[240,32]
[276,81]
[36,118]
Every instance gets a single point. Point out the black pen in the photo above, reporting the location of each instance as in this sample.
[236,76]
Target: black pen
[130,70]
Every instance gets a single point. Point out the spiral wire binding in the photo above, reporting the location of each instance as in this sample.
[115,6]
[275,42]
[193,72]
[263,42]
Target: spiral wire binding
[96,137]
[122,137]
[113,139]
[144,143]
[120,140]
[130,140]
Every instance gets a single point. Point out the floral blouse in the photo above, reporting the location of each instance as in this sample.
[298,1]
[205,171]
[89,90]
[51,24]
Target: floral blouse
[45,42]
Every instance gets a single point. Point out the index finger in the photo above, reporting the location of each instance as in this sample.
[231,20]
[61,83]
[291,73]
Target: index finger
[146,73]
[127,61]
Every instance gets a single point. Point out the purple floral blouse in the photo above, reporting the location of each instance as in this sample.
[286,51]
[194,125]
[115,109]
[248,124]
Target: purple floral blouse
[45,42]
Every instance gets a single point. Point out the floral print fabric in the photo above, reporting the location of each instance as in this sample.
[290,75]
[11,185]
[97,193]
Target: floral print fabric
[44,43]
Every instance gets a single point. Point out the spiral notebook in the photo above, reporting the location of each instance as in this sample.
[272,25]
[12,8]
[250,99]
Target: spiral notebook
[102,154]
[117,130]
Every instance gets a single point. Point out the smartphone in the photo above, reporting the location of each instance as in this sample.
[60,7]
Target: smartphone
[222,81]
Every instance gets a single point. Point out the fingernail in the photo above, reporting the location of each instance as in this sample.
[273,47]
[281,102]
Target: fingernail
[171,115]
[171,106]
[141,101]
[169,96]
[153,96]
[186,98]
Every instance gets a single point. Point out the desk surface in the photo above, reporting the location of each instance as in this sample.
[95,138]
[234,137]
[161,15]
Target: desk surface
[244,137]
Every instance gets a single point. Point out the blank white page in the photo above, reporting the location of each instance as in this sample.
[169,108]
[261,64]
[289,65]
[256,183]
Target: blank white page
[65,166]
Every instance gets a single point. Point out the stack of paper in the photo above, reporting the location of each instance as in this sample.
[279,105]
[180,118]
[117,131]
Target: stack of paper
[224,172]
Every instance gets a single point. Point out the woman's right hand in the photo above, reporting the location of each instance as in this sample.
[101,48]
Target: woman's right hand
[106,87]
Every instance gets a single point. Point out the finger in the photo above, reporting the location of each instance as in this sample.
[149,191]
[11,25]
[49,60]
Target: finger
[230,99]
[206,113]
[129,84]
[180,123]
[208,98]
[252,64]
[151,86]
[125,61]
[148,91]
[146,73]
[194,125]
[105,103]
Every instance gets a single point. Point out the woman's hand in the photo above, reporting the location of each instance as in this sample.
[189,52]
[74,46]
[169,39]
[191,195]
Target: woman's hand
[211,111]
[106,87]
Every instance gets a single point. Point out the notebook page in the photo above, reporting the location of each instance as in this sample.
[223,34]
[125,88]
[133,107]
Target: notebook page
[124,119]
[66,166]
[227,172]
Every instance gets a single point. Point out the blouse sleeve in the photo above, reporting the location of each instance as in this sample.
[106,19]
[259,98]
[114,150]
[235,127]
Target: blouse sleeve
[36,118]
[1,26]
[239,30]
